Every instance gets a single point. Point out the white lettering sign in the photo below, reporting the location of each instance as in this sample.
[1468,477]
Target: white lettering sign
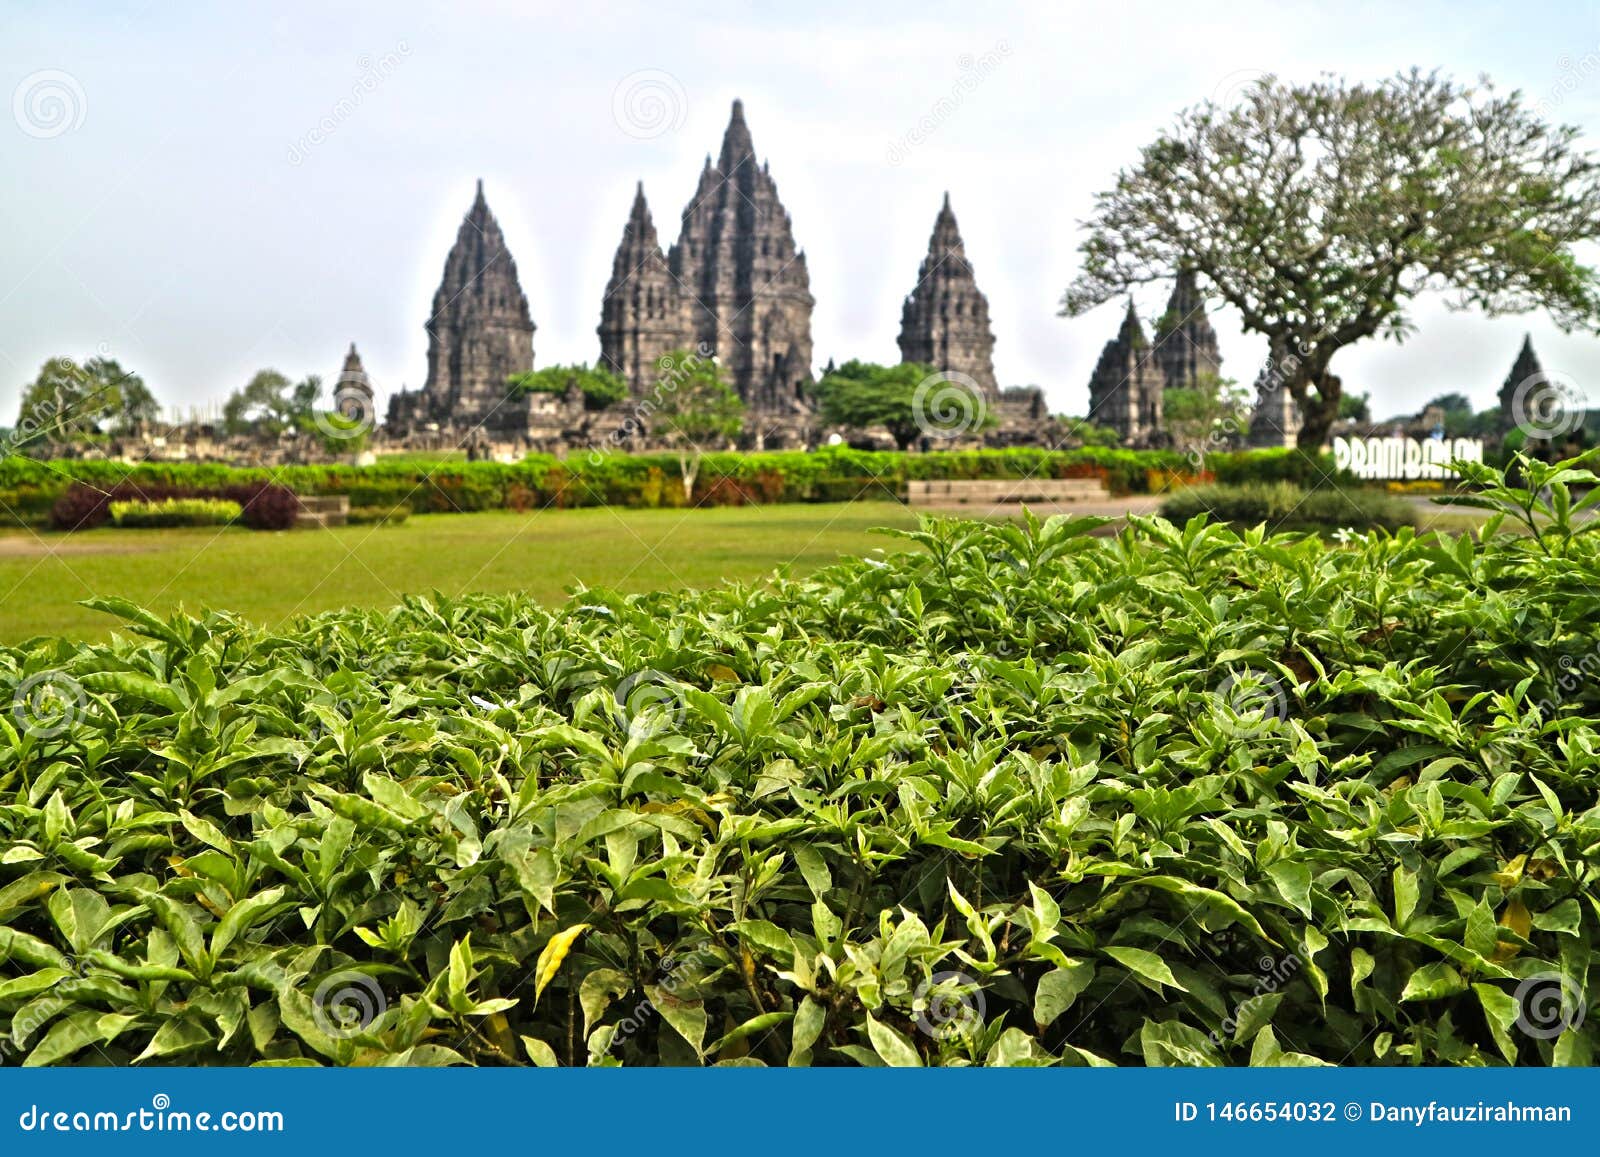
[1407,458]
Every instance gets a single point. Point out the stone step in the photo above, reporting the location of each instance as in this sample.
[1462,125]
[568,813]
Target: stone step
[998,491]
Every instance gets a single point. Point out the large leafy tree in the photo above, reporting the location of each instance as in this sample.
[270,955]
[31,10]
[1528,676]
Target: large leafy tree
[691,408]
[70,402]
[270,403]
[909,400]
[1320,211]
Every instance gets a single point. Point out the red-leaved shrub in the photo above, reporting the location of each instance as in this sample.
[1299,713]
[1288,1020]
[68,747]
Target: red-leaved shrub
[264,505]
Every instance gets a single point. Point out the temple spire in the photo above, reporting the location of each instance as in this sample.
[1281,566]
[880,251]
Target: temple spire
[1186,345]
[945,320]
[737,144]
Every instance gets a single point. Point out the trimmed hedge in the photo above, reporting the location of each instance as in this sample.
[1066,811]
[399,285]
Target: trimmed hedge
[1285,507]
[833,474]
[176,512]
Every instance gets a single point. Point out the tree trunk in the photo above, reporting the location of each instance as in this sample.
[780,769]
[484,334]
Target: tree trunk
[689,467]
[1318,398]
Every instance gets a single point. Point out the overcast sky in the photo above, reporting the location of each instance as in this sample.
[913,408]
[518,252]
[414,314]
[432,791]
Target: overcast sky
[203,191]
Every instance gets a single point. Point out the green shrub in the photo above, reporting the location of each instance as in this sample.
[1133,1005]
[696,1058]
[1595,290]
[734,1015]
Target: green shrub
[1282,506]
[379,515]
[176,512]
[445,485]
[28,505]
[1289,465]
[1020,796]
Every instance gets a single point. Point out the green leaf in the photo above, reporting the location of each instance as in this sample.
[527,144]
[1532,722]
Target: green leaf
[809,1019]
[175,1036]
[687,1017]
[1293,881]
[894,1049]
[756,1024]
[1058,988]
[1500,1012]
[66,1038]
[1146,966]
[243,916]
[1433,981]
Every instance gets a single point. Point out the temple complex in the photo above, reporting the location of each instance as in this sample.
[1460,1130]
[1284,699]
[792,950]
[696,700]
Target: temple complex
[734,286]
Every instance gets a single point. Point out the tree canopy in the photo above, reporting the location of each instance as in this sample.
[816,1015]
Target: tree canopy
[70,402]
[1319,211]
[910,400]
[271,404]
[691,409]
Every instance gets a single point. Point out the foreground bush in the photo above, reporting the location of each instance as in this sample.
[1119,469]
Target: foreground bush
[176,512]
[1283,506]
[1022,796]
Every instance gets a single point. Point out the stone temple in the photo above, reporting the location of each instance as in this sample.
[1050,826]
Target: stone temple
[479,334]
[1126,386]
[642,316]
[734,284]
[945,320]
[1186,344]
[1525,386]
[1127,389]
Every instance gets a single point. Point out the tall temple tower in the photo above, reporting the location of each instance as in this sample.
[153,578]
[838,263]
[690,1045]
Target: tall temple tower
[642,318]
[945,320]
[1125,389]
[747,295]
[480,332]
[1186,345]
[1528,376]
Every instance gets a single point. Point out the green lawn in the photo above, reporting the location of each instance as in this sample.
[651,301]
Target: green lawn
[271,576]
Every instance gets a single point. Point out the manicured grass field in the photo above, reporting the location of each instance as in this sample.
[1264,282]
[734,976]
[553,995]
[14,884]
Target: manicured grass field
[268,577]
